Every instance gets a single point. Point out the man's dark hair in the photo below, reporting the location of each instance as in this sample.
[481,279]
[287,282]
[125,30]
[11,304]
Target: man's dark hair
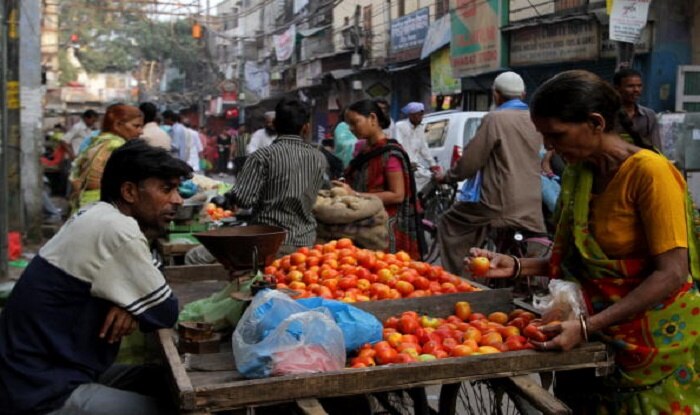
[290,117]
[135,162]
[625,73]
[90,114]
[170,115]
[150,111]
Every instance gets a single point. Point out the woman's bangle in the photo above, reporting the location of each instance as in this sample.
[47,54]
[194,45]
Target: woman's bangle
[584,327]
[518,267]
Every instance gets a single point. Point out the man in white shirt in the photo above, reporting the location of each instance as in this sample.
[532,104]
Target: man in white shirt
[152,133]
[178,135]
[79,131]
[264,136]
[410,133]
[195,148]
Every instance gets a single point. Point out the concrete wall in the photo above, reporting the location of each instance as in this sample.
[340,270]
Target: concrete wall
[31,115]
[673,23]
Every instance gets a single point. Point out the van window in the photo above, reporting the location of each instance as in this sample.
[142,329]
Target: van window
[470,128]
[436,133]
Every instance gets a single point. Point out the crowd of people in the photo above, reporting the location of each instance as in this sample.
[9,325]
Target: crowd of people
[624,232]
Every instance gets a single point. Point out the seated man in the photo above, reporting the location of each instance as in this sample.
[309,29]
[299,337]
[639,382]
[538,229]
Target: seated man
[280,182]
[88,287]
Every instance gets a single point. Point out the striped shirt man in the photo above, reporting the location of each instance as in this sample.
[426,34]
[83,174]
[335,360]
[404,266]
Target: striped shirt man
[280,183]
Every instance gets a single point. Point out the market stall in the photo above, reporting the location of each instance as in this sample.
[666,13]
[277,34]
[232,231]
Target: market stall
[209,383]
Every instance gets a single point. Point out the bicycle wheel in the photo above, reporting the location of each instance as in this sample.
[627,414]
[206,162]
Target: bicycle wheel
[481,397]
[435,203]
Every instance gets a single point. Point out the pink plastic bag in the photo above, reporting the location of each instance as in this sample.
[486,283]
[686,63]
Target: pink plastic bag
[309,358]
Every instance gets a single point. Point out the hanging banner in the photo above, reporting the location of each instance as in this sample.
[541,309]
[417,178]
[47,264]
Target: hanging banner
[284,43]
[441,79]
[476,37]
[257,81]
[627,19]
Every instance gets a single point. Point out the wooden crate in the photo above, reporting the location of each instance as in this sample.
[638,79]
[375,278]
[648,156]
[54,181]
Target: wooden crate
[211,383]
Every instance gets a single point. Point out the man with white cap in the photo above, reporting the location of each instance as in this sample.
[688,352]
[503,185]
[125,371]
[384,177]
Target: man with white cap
[410,133]
[505,151]
[264,136]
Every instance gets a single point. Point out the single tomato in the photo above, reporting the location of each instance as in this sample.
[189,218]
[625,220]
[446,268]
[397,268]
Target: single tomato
[479,266]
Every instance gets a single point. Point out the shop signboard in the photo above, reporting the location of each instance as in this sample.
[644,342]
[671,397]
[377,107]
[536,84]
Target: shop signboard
[608,49]
[409,32]
[627,19]
[560,42]
[476,37]
[443,83]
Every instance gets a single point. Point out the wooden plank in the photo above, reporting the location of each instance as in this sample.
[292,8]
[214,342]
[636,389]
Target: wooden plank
[486,302]
[192,273]
[185,390]
[539,397]
[311,407]
[383,378]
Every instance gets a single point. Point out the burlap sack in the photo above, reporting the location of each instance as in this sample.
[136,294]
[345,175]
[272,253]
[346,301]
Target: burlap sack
[371,233]
[336,207]
[360,218]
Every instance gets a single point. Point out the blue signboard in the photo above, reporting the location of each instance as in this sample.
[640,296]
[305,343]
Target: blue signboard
[409,32]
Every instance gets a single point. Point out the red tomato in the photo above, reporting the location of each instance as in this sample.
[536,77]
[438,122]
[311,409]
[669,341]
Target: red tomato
[533,333]
[479,266]
[463,310]
[386,356]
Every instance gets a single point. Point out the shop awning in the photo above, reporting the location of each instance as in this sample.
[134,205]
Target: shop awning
[439,35]
[341,73]
[312,31]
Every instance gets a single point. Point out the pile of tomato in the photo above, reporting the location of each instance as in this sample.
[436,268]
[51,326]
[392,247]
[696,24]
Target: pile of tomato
[217,213]
[339,270]
[413,338]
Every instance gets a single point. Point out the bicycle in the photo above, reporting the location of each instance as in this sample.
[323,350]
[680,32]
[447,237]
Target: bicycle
[436,199]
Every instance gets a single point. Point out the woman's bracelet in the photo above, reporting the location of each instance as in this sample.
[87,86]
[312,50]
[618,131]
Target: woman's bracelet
[584,327]
[518,267]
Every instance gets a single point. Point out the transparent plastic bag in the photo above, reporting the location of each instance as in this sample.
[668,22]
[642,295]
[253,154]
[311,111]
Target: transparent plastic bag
[564,302]
[278,336]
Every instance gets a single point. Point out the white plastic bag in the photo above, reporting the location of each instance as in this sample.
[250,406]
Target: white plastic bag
[564,302]
[278,336]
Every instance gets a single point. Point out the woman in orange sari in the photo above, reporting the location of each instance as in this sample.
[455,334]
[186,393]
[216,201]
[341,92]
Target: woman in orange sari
[382,168]
[625,233]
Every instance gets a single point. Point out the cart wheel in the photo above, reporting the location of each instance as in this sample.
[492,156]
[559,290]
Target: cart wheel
[480,398]
[412,401]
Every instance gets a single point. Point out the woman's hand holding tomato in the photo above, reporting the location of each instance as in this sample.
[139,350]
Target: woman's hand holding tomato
[501,266]
[565,335]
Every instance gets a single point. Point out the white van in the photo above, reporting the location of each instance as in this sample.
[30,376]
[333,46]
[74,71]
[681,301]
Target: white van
[447,132]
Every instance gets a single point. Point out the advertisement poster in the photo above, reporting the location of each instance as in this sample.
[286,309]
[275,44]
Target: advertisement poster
[443,83]
[627,19]
[476,37]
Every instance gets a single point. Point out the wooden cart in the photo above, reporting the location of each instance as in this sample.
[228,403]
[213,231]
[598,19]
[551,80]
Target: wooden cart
[210,383]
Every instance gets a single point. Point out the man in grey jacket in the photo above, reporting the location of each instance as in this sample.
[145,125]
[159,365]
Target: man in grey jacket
[505,150]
